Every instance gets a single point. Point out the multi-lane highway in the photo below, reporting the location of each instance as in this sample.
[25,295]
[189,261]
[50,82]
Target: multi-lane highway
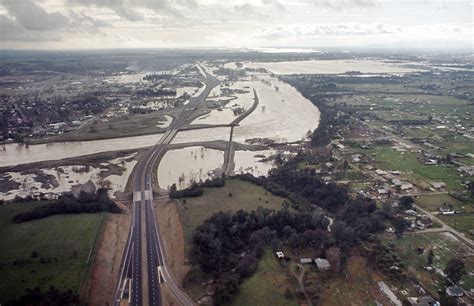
[143,266]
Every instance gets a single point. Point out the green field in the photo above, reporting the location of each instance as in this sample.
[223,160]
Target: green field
[433,202]
[66,239]
[389,159]
[266,287]
[118,127]
[445,247]
[245,196]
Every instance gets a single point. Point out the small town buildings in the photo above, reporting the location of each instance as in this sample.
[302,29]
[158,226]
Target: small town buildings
[423,301]
[431,162]
[406,186]
[304,261]
[397,182]
[382,191]
[411,212]
[448,213]
[438,185]
[322,264]
[454,291]
[380,172]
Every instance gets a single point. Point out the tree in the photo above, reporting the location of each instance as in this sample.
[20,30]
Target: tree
[34,254]
[455,269]
[406,202]
[430,257]
[400,225]
[470,187]
[333,255]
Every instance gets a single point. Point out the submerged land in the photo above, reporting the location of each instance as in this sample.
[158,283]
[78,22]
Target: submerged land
[363,161]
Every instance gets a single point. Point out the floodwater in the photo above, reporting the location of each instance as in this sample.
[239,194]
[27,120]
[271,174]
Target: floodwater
[209,134]
[14,154]
[226,115]
[251,162]
[330,66]
[283,114]
[191,164]
[67,177]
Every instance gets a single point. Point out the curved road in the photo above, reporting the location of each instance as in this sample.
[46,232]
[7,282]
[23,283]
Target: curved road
[143,266]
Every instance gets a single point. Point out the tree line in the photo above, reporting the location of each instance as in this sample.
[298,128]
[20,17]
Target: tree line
[196,189]
[52,297]
[69,204]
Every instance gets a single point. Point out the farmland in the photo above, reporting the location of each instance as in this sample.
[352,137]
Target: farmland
[61,242]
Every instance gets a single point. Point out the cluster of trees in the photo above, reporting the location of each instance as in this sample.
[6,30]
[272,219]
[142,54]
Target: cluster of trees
[68,204]
[156,92]
[383,258]
[52,297]
[229,245]
[196,189]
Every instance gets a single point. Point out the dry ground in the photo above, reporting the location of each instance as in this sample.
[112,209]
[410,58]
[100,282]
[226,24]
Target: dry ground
[108,258]
[172,235]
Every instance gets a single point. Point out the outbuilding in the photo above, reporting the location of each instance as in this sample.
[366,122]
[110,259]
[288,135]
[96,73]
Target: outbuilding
[322,264]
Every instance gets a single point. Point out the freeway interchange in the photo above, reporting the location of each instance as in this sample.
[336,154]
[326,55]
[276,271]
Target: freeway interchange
[143,268]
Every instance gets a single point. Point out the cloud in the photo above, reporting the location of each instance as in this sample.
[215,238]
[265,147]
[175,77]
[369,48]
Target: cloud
[340,29]
[343,4]
[11,30]
[33,17]
[275,3]
[132,9]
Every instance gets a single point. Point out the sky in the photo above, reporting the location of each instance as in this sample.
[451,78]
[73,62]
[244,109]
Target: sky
[313,24]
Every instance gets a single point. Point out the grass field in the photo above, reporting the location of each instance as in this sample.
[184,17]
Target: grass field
[390,159]
[433,202]
[245,196]
[56,237]
[119,127]
[267,286]
[462,222]
[445,247]
[357,286]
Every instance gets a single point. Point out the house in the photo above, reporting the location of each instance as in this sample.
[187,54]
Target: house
[448,213]
[380,172]
[438,185]
[356,158]
[394,172]
[411,212]
[382,191]
[406,186]
[446,207]
[280,255]
[424,223]
[322,264]
[467,169]
[423,301]
[454,291]
[397,182]
[431,162]
[304,261]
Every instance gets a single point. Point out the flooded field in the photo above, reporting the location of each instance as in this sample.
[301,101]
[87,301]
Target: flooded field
[210,134]
[240,98]
[252,162]
[14,154]
[64,178]
[330,67]
[192,164]
[283,114]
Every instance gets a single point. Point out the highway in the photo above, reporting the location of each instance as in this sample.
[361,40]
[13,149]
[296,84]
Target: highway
[143,267]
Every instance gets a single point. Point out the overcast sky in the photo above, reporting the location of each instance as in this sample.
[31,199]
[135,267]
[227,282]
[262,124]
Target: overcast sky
[89,24]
